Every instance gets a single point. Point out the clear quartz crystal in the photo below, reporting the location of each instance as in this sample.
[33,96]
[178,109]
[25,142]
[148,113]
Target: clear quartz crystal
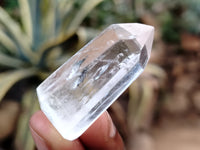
[79,91]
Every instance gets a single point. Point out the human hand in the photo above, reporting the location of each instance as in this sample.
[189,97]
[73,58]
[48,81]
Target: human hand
[102,135]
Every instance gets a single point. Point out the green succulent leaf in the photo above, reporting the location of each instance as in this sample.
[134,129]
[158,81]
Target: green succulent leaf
[43,20]
[63,10]
[9,23]
[69,26]
[8,79]
[20,39]
[35,17]
[142,99]
[49,16]
[81,14]
[156,71]
[26,18]
[84,35]
[11,62]
[8,43]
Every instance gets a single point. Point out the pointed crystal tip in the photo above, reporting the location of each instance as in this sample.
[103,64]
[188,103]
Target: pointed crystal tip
[144,34]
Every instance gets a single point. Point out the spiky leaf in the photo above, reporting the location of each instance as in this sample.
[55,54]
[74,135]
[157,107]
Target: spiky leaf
[8,79]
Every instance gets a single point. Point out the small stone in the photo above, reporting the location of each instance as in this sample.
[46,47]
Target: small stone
[78,92]
[177,104]
[196,99]
[141,141]
[184,83]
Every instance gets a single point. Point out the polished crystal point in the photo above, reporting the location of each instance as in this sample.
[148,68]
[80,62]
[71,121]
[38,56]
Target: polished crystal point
[78,92]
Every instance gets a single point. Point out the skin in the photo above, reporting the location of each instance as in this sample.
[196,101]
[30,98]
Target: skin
[102,135]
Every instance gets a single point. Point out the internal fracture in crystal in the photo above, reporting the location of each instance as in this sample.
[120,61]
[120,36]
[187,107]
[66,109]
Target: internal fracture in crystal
[78,92]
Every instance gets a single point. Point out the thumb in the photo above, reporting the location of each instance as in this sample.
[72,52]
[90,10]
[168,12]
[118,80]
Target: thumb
[102,135]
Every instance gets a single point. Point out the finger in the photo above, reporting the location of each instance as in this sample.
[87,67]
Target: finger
[46,136]
[102,135]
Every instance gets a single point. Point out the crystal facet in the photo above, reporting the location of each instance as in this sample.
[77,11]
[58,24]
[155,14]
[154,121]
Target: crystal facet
[79,91]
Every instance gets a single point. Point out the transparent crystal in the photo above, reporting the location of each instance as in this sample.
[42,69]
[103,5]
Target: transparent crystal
[78,92]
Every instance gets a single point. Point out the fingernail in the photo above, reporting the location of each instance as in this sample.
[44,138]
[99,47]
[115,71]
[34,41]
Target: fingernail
[112,130]
[39,141]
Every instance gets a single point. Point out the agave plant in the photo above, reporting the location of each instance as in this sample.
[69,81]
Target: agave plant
[33,47]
